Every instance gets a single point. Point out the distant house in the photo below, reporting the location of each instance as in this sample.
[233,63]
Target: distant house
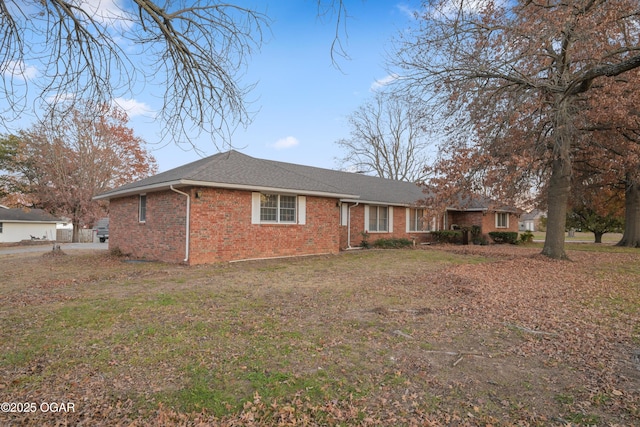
[17,225]
[482,212]
[231,206]
[531,221]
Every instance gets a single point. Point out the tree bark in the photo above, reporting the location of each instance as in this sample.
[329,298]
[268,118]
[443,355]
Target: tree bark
[75,234]
[598,237]
[559,183]
[631,236]
[558,196]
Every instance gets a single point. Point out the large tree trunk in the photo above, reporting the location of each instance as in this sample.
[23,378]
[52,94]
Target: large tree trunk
[631,236]
[558,196]
[559,183]
[598,236]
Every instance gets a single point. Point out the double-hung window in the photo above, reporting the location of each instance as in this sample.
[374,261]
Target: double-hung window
[278,209]
[378,218]
[417,220]
[502,220]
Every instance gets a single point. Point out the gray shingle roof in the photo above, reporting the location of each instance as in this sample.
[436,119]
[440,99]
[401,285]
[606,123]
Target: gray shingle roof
[236,170]
[26,215]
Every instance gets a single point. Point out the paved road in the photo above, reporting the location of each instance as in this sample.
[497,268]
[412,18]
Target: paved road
[44,248]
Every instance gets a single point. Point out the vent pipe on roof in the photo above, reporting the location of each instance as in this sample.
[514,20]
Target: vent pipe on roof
[188,220]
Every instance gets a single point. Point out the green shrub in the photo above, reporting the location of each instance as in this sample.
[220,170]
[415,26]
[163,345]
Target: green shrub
[504,237]
[526,237]
[392,243]
[365,240]
[447,236]
[476,235]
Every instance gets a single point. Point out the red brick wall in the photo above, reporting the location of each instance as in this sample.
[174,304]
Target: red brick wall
[161,237]
[399,228]
[486,220]
[220,228]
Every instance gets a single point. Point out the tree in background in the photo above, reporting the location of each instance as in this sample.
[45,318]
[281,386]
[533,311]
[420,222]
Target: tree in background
[596,208]
[388,138]
[514,78]
[60,168]
[607,158]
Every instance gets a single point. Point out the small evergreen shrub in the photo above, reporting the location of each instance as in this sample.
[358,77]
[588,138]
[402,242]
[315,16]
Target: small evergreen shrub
[504,237]
[526,237]
[447,236]
[365,240]
[392,243]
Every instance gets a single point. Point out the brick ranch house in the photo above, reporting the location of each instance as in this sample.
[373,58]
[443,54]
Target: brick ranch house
[231,206]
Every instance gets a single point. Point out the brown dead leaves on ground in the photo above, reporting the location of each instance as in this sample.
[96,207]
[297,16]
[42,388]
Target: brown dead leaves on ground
[448,335]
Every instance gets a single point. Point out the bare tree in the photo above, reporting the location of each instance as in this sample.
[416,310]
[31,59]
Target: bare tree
[388,138]
[520,72]
[197,50]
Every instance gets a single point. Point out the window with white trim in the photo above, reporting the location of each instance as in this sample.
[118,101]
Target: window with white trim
[278,209]
[417,220]
[502,220]
[142,208]
[0,227]
[378,218]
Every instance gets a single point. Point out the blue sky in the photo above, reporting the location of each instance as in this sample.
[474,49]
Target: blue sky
[301,99]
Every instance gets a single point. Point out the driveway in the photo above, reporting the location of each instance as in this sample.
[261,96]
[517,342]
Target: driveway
[45,248]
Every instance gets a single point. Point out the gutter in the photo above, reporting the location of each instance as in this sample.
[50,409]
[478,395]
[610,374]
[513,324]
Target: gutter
[188,220]
[349,225]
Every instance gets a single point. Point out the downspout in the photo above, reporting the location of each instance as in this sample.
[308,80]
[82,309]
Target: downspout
[188,220]
[349,224]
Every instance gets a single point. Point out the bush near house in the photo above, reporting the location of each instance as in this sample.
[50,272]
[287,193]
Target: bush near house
[392,243]
[526,237]
[504,237]
[447,236]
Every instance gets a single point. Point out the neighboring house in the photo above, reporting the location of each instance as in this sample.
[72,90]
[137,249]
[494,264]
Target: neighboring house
[531,221]
[17,225]
[482,212]
[231,206]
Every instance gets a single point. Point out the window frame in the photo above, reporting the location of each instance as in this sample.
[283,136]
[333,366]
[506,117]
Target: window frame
[377,208]
[412,218]
[284,208]
[504,215]
[142,208]
[1,226]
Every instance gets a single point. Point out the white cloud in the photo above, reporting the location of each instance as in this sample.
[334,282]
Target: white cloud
[285,143]
[406,10]
[380,83]
[133,108]
[107,12]
[19,70]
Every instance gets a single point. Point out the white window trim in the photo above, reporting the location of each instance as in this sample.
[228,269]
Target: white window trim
[301,210]
[408,222]
[498,216]
[389,219]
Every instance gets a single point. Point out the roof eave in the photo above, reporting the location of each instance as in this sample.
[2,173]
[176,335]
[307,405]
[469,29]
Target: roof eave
[380,202]
[245,187]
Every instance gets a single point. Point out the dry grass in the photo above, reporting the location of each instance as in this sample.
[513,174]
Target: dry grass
[448,335]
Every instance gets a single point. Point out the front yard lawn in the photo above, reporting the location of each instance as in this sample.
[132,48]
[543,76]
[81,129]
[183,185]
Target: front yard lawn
[444,335]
